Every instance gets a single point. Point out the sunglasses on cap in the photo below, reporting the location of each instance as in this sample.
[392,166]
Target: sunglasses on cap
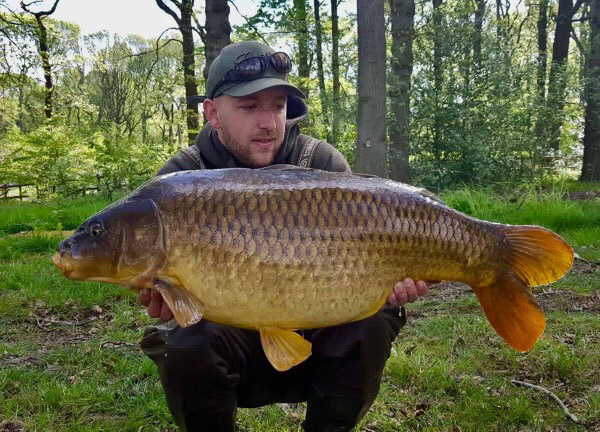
[255,67]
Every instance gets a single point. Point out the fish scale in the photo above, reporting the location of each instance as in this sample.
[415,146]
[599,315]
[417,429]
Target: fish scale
[282,249]
[347,249]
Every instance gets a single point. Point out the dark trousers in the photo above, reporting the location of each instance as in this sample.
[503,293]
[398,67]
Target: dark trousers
[207,370]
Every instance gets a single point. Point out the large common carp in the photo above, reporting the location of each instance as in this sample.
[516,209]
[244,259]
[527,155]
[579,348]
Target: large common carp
[284,248]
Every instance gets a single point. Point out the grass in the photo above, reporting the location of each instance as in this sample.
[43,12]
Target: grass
[70,360]
[56,215]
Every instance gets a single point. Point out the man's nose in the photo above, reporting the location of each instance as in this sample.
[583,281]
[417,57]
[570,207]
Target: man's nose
[267,120]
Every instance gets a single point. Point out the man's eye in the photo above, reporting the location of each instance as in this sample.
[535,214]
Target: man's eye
[248,107]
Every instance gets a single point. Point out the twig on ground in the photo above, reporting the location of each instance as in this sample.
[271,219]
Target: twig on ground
[109,344]
[552,395]
[43,321]
[39,324]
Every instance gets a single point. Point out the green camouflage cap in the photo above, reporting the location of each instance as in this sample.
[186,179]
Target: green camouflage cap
[233,54]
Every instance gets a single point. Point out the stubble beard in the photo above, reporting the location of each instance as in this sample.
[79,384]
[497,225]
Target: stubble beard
[241,153]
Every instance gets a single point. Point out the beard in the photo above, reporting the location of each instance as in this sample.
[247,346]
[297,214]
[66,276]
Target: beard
[243,153]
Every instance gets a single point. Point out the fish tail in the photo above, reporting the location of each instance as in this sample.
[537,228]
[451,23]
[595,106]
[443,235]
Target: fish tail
[536,256]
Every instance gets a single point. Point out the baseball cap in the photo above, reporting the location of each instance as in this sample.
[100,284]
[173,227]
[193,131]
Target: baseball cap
[232,55]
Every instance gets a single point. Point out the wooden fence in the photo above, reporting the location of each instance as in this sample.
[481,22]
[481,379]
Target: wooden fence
[6,189]
[16,191]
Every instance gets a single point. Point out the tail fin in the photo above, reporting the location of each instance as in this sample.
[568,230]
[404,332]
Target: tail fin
[536,256]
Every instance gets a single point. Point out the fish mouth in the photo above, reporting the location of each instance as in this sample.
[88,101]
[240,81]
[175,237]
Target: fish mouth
[63,264]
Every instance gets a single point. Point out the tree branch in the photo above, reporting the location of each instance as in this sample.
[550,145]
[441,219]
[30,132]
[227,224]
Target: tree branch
[199,29]
[578,43]
[168,10]
[577,6]
[549,393]
[40,13]
[256,32]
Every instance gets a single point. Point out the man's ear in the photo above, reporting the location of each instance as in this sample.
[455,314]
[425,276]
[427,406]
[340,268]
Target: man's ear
[212,113]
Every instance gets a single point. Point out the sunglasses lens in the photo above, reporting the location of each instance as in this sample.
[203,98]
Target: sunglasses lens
[249,69]
[282,62]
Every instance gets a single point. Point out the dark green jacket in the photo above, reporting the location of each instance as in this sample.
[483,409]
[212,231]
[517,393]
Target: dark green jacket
[208,152]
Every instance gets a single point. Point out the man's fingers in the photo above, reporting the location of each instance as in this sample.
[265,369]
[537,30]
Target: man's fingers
[422,288]
[411,290]
[165,312]
[145,296]
[155,306]
[400,294]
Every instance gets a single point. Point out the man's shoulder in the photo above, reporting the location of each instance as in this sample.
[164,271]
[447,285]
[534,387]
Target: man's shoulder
[183,160]
[314,153]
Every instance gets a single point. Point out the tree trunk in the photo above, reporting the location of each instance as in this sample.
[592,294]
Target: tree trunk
[371,148]
[478,25]
[335,71]
[558,72]
[184,22]
[437,79]
[218,30]
[43,50]
[320,71]
[302,40]
[402,18]
[542,37]
[189,69]
[591,135]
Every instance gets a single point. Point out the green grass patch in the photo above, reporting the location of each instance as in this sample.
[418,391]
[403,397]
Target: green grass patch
[54,215]
[13,247]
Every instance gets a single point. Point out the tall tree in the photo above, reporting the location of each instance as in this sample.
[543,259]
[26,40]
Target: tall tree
[477,36]
[184,23]
[43,50]
[320,70]
[301,23]
[542,60]
[216,32]
[335,69]
[557,80]
[371,146]
[402,18]
[18,58]
[591,134]
[437,79]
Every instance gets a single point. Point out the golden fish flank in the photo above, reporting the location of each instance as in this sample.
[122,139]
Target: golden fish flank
[283,248]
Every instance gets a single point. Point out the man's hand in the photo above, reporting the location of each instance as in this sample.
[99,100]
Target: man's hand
[407,291]
[155,304]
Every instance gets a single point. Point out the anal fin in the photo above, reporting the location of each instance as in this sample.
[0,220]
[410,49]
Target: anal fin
[186,308]
[284,348]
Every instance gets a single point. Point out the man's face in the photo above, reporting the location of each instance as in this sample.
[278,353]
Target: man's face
[251,127]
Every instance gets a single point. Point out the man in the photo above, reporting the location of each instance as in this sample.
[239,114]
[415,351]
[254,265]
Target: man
[208,370]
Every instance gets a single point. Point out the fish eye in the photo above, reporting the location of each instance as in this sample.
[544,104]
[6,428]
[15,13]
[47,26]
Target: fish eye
[96,230]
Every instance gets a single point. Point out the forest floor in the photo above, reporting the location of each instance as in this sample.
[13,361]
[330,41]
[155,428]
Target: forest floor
[70,358]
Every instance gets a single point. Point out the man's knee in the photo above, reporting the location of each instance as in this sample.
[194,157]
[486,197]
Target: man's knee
[195,349]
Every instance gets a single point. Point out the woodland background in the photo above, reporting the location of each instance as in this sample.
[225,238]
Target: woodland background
[441,93]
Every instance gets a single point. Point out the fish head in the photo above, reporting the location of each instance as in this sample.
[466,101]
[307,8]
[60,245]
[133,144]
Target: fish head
[115,245]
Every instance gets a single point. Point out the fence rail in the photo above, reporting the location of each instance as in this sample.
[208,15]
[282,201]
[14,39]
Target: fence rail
[5,190]
[12,191]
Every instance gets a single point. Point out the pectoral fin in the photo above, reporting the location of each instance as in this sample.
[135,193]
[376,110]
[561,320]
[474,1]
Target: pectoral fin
[284,348]
[187,309]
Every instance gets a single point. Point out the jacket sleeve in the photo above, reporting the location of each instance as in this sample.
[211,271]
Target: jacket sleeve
[328,158]
[180,162]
